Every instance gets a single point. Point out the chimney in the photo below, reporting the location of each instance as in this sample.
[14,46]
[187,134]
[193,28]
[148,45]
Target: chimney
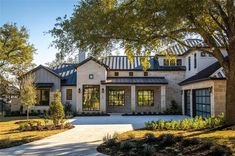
[81,56]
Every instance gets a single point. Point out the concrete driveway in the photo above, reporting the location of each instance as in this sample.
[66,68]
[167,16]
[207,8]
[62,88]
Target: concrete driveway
[85,137]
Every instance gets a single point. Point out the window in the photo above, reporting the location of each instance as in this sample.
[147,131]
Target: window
[203,54]
[169,62]
[43,97]
[145,98]
[210,55]
[130,73]
[91,76]
[91,98]
[146,73]
[195,60]
[69,94]
[189,63]
[179,62]
[166,62]
[202,102]
[116,97]
[116,73]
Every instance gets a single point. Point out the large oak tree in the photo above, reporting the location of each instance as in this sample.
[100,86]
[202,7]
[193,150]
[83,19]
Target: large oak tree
[141,26]
[16,55]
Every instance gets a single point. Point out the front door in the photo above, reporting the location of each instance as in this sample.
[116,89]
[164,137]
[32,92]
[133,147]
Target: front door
[202,102]
[91,98]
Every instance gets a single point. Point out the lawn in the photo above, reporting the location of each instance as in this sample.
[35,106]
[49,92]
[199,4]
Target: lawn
[224,137]
[11,136]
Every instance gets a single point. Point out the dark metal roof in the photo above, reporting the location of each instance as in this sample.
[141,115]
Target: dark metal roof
[68,72]
[44,85]
[206,74]
[123,63]
[135,80]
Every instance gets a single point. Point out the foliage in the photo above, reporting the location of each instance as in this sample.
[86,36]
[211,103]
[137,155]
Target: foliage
[16,55]
[28,93]
[165,144]
[149,137]
[56,109]
[174,109]
[187,124]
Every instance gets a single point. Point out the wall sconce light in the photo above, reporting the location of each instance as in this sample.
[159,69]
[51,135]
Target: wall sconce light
[79,90]
[102,90]
[210,89]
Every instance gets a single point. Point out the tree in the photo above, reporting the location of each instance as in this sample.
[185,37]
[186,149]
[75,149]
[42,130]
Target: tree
[16,54]
[56,109]
[28,93]
[142,26]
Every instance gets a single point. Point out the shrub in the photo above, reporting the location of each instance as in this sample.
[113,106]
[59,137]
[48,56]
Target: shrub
[167,139]
[149,137]
[127,145]
[148,149]
[174,109]
[68,108]
[56,110]
[187,124]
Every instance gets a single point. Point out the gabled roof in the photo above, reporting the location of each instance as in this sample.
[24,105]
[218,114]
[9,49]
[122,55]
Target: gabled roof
[68,72]
[209,73]
[95,60]
[46,68]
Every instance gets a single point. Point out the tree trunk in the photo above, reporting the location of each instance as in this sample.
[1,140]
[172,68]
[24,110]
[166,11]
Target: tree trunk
[230,90]
[27,113]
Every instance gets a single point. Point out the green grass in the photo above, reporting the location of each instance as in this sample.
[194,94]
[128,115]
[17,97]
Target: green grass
[223,137]
[11,136]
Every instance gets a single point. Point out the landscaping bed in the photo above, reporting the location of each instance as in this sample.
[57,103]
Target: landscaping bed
[12,135]
[165,144]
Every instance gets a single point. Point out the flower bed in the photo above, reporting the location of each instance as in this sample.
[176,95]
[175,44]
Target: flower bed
[166,144]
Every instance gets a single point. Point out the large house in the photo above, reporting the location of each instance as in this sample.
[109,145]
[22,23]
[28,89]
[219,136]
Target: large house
[113,84]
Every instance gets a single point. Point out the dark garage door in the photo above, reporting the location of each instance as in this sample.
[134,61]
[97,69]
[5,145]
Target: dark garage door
[187,102]
[202,103]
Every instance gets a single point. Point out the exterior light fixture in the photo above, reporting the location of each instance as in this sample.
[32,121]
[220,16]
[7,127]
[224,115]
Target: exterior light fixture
[102,90]
[79,90]
[210,89]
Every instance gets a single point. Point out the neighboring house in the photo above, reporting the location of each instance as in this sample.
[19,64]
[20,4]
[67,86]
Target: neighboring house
[115,85]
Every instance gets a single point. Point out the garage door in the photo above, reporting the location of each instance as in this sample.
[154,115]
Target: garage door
[187,102]
[202,102]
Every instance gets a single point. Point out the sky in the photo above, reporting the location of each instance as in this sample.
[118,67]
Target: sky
[38,16]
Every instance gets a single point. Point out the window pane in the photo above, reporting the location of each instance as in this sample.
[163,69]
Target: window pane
[116,97]
[91,98]
[145,97]
[68,94]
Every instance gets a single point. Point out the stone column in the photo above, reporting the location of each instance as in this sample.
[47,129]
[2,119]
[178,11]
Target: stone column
[191,103]
[183,102]
[133,98]
[163,98]
[102,98]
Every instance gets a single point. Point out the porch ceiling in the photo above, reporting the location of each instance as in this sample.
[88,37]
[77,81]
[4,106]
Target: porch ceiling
[135,80]
[44,85]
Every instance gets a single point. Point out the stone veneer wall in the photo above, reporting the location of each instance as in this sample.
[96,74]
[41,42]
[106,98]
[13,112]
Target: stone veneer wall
[119,109]
[157,99]
[219,96]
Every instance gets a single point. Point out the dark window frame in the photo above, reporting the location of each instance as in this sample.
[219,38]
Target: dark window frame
[189,63]
[203,54]
[146,74]
[142,102]
[68,96]
[131,74]
[116,101]
[40,101]
[195,60]
[96,88]
[116,73]
[179,62]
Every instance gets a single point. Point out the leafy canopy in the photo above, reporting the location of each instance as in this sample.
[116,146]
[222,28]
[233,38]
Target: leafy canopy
[140,26]
[16,53]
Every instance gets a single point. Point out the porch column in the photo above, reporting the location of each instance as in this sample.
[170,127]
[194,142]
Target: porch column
[191,103]
[163,98]
[102,98]
[133,98]
[183,101]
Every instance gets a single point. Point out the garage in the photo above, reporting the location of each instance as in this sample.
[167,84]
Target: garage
[202,102]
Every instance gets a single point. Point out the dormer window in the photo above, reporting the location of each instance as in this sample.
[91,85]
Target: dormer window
[179,62]
[146,73]
[116,73]
[131,74]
